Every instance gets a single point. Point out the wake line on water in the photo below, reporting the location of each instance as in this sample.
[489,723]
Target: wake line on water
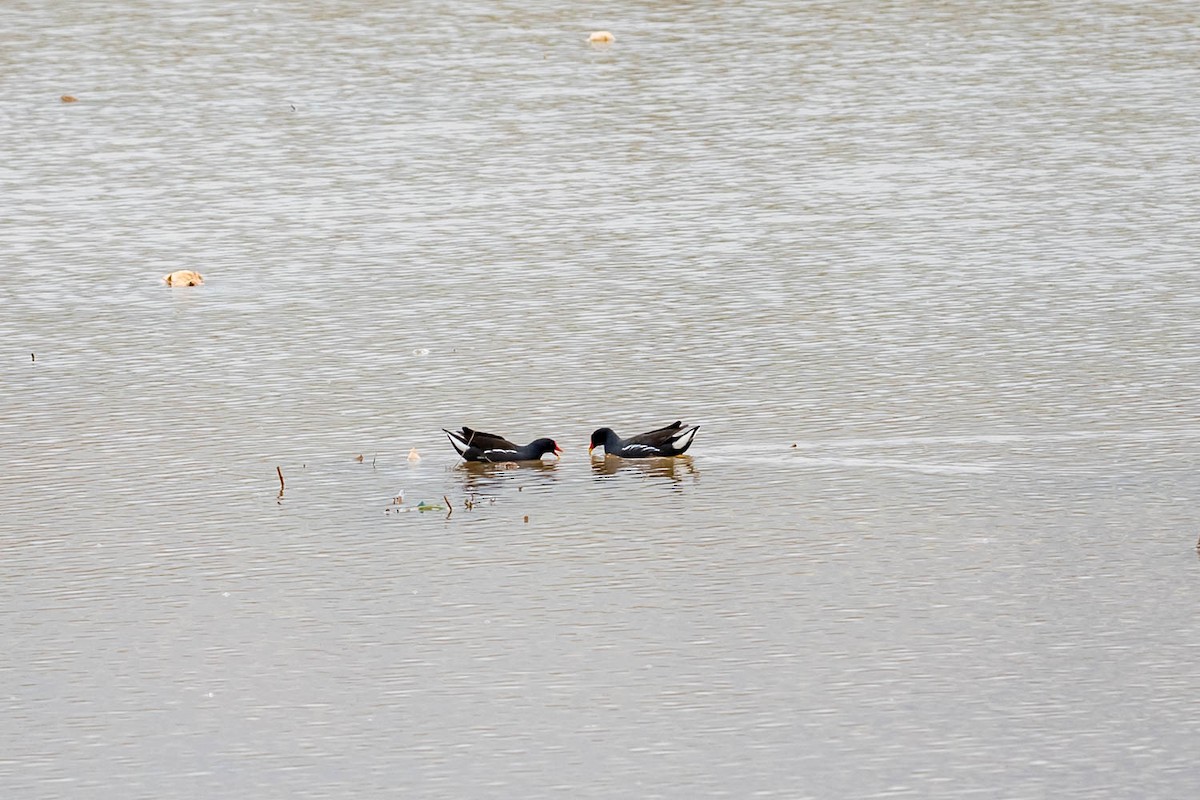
[1004,438]
[802,452]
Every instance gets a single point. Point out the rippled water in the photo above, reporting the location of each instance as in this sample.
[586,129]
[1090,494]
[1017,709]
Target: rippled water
[924,272]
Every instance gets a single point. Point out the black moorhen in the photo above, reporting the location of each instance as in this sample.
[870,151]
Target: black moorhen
[488,447]
[673,440]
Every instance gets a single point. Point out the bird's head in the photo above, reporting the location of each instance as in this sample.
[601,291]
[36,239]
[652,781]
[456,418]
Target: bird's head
[544,446]
[598,438]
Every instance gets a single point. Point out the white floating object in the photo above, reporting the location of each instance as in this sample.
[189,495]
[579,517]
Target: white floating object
[413,455]
[184,277]
[601,37]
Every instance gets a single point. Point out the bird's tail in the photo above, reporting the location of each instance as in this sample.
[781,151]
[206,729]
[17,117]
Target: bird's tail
[683,440]
[456,439]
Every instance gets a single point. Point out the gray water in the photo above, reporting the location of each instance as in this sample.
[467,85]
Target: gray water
[925,273]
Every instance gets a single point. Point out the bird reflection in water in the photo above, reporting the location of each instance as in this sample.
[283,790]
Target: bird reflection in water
[487,480]
[674,469]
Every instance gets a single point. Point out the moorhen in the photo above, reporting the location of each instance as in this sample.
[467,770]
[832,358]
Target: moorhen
[488,447]
[673,440]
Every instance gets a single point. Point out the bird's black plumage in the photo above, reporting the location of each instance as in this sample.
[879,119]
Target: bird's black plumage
[488,447]
[670,440]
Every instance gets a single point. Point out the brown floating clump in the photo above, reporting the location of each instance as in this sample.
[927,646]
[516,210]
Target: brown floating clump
[601,37]
[66,98]
[184,277]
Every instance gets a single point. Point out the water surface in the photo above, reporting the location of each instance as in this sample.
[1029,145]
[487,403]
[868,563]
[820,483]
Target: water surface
[923,272]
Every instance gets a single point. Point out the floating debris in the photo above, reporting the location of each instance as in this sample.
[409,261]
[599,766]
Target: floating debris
[413,455]
[184,277]
[359,458]
[426,506]
[279,472]
[527,518]
[66,98]
[32,357]
[601,37]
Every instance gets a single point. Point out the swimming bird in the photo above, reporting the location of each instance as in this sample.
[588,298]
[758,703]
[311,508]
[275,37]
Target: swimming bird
[672,440]
[488,447]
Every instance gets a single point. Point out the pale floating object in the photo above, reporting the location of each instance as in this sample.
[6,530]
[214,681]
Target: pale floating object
[413,455]
[184,277]
[601,37]
[66,98]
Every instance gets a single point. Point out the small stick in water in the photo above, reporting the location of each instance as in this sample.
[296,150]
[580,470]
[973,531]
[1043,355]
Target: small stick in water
[279,472]
[32,357]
